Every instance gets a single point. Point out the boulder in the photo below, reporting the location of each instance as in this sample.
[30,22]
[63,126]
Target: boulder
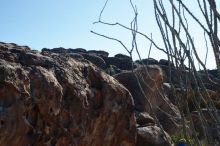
[166,63]
[123,64]
[144,119]
[77,50]
[58,50]
[148,133]
[210,122]
[146,86]
[169,92]
[152,136]
[75,56]
[98,61]
[57,100]
[147,61]
[99,53]
[45,50]
[148,81]
[3,47]
[122,56]
[172,75]
[213,73]
[210,80]
[63,50]
[31,59]
[112,70]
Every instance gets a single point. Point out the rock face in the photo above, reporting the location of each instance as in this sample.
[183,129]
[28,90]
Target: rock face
[212,129]
[98,61]
[152,136]
[147,61]
[121,63]
[63,97]
[150,89]
[99,53]
[149,82]
[146,86]
[55,100]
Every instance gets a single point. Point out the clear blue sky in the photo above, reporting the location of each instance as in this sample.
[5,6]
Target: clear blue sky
[67,23]
[54,23]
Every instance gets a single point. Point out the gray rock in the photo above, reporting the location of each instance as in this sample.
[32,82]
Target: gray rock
[98,61]
[147,61]
[152,136]
[99,53]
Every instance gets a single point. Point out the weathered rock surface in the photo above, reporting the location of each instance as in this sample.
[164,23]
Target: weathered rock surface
[95,59]
[147,61]
[152,136]
[148,82]
[55,100]
[63,97]
[151,83]
[146,86]
[99,53]
[121,63]
[212,129]
[144,119]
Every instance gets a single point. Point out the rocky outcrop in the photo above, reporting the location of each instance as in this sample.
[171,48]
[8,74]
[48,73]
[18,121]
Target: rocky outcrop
[147,61]
[208,128]
[99,53]
[149,82]
[99,58]
[121,63]
[64,97]
[63,50]
[152,136]
[53,99]
[98,61]
[148,133]
[146,86]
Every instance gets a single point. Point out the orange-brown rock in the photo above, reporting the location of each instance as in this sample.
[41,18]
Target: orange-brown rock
[55,100]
